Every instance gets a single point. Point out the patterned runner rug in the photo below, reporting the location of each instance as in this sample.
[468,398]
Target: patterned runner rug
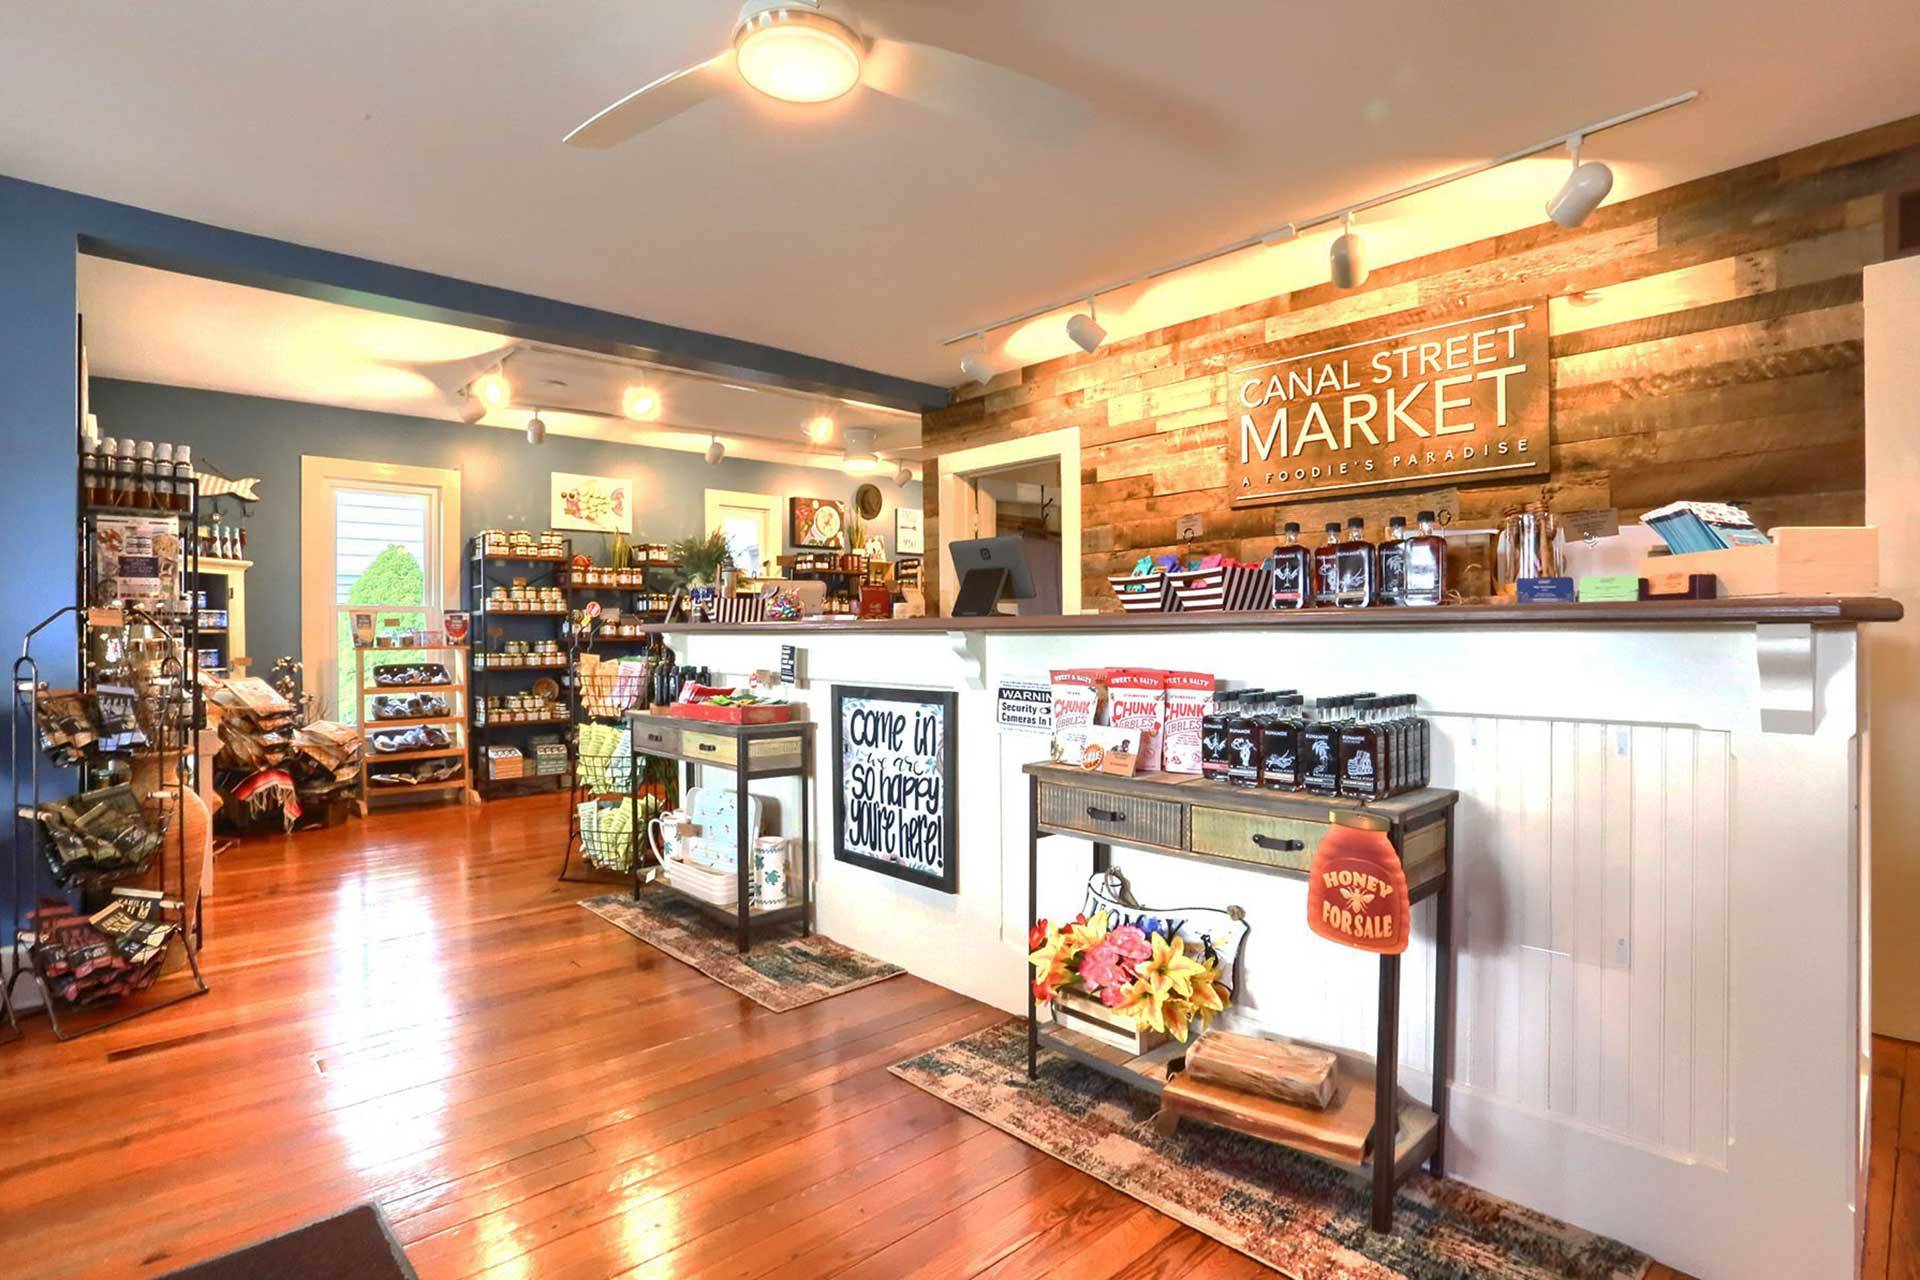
[781,973]
[1303,1217]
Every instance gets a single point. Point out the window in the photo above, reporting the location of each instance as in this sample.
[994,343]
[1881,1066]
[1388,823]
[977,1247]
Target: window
[378,538]
[751,522]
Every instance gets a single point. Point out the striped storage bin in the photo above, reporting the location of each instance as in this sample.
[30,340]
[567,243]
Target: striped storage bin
[1145,592]
[738,609]
[1236,587]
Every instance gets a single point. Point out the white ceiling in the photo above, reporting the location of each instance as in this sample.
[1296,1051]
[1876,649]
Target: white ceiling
[427,134]
[159,326]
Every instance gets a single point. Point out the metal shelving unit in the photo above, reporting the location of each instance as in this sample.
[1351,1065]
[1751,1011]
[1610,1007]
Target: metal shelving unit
[483,572]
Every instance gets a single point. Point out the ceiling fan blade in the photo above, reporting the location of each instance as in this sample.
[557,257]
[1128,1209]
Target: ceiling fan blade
[969,88]
[651,104]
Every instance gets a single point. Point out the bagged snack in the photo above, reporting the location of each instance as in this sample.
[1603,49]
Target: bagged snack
[1077,695]
[1137,699]
[1189,697]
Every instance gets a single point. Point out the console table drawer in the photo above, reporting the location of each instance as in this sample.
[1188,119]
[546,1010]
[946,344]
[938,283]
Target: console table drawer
[1130,819]
[657,740]
[1256,838]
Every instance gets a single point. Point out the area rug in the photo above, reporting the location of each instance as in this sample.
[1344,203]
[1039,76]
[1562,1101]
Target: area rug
[780,973]
[356,1243]
[1303,1217]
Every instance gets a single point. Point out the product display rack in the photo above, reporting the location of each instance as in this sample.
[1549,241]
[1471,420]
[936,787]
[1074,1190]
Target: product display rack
[459,684]
[1274,835]
[168,718]
[182,622]
[483,573]
[753,753]
[583,792]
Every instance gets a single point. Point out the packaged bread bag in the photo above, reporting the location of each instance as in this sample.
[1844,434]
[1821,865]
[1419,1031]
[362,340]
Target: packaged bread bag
[1189,698]
[1077,697]
[1137,699]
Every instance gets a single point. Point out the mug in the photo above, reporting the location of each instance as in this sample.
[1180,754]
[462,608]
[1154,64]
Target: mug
[768,888]
[667,842]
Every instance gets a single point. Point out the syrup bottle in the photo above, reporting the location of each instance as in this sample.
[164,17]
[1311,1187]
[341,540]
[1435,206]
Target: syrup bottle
[1319,752]
[1243,741]
[1280,746]
[1393,563]
[1323,575]
[1292,578]
[1426,575]
[1356,569]
[1213,736]
[1361,741]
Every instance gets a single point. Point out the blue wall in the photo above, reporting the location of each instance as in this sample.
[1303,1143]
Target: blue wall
[504,481]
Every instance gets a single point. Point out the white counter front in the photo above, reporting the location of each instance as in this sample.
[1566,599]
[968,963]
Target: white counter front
[1658,895]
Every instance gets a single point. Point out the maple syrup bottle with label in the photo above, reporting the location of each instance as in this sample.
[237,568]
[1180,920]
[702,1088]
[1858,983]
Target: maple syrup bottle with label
[1243,741]
[1393,563]
[1356,568]
[1213,736]
[1280,746]
[1426,556]
[1319,752]
[1323,576]
[1292,579]
[1360,751]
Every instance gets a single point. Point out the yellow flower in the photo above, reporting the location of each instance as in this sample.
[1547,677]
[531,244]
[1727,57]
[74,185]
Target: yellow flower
[1170,971]
[1088,934]
[1175,1014]
[1144,1007]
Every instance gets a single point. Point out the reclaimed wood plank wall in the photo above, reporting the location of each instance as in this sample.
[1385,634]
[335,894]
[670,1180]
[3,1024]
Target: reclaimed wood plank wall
[1706,343]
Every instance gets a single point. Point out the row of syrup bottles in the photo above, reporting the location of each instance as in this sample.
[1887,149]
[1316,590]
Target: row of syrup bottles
[1365,746]
[1352,573]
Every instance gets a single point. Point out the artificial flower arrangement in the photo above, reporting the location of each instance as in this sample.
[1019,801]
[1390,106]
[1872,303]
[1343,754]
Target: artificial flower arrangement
[1140,971]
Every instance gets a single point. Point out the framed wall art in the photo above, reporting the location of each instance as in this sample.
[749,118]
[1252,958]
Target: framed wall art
[595,504]
[817,523]
[909,531]
[893,781]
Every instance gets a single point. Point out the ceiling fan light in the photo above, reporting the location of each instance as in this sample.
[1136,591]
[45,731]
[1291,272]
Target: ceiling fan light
[797,56]
[860,457]
[640,403]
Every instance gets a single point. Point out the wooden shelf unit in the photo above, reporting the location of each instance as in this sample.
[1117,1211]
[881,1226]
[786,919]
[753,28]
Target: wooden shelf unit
[457,691]
[1235,830]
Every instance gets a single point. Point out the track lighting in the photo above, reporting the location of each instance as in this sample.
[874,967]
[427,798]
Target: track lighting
[715,451]
[640,403]
[1348,257]
[860,457]
[820,429]
[904,476]
[1281,234]
[492,389]
[536,428]
[974,364]
[1084,328]
[1586,186]
[471,410]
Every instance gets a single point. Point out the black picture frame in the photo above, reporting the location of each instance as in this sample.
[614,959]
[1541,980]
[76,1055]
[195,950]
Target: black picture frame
[948,881]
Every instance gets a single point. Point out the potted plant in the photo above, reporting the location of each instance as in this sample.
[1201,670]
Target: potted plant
[701,561]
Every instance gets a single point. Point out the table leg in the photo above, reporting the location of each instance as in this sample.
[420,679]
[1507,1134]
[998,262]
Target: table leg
[743,871]
[1033,913]
[1442,1013]
[1102,857]
[806,835]
[1386,1085]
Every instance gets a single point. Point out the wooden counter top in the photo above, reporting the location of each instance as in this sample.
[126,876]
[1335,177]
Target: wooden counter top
[1739,611]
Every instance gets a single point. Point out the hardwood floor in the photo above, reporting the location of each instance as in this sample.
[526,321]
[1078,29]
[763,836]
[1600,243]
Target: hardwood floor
[412,1010]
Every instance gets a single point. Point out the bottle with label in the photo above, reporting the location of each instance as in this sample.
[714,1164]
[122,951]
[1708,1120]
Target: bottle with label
[1213,735]
[1292,579]
[1243,741]
[1393,562]
[164,495]
[125,472]
[1361,751]
[1323,575]
[96,471]
[1426,575]
[1356,569]
[143,491]
[183,476]
[1280,746]
[1319,751]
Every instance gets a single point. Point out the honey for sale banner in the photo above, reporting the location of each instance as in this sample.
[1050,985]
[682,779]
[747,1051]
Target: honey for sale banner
[1357,891]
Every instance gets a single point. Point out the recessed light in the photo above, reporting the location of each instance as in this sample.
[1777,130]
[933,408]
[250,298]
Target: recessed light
[820,429]
[640,402]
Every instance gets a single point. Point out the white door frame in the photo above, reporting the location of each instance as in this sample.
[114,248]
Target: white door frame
[318,475]
[766,503]
[956,470]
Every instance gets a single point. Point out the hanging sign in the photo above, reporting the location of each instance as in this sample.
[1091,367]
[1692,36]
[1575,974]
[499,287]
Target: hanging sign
[1217,932]
[1427,405]
[1357,891]
[893,782]
[1024,706]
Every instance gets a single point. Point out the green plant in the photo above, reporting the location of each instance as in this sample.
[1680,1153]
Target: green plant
[701,559]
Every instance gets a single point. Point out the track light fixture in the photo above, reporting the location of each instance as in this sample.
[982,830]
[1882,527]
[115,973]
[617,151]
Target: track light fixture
[1348,256]
[536,428]
[974,363]
[715,451]
[903,476]
[1586,186]
[1085,329]
[492,388]
[471,410]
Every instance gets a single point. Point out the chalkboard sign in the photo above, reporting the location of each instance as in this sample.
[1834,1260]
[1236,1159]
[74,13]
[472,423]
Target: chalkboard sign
[893,779]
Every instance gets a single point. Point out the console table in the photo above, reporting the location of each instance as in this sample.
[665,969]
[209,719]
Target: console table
[1276,833]
[753,752]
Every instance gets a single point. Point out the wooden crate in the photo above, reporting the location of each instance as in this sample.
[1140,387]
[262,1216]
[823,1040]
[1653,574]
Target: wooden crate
[1840,561]
[1077,1011]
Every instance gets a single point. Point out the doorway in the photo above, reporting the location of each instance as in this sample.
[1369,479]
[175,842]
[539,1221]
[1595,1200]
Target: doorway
[1029,487]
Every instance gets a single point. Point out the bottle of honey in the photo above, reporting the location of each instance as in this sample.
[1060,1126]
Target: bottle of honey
[1323,572]
[1292,580]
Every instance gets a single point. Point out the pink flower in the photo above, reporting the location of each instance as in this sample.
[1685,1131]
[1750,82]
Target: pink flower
[1130,942]
[1114,997]
[1105,966]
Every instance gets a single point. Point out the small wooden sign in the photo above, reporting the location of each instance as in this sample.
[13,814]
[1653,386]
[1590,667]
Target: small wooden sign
[1418,406]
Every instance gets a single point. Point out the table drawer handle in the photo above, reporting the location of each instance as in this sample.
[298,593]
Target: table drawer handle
[656,737]
[1278,844]
[707,746]
[1105,815]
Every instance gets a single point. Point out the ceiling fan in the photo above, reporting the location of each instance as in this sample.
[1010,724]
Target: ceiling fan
[810,51]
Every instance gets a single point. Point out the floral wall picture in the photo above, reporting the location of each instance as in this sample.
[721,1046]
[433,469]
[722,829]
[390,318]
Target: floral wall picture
[598,504]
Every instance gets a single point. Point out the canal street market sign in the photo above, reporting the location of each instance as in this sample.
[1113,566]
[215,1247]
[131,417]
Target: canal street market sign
[1436,404]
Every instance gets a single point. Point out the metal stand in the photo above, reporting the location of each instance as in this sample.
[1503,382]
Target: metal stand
[169,718]
[484,652]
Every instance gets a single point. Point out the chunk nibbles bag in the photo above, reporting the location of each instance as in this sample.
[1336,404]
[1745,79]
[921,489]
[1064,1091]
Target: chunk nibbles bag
[1189,697]
[1077,695]
[1137,699]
